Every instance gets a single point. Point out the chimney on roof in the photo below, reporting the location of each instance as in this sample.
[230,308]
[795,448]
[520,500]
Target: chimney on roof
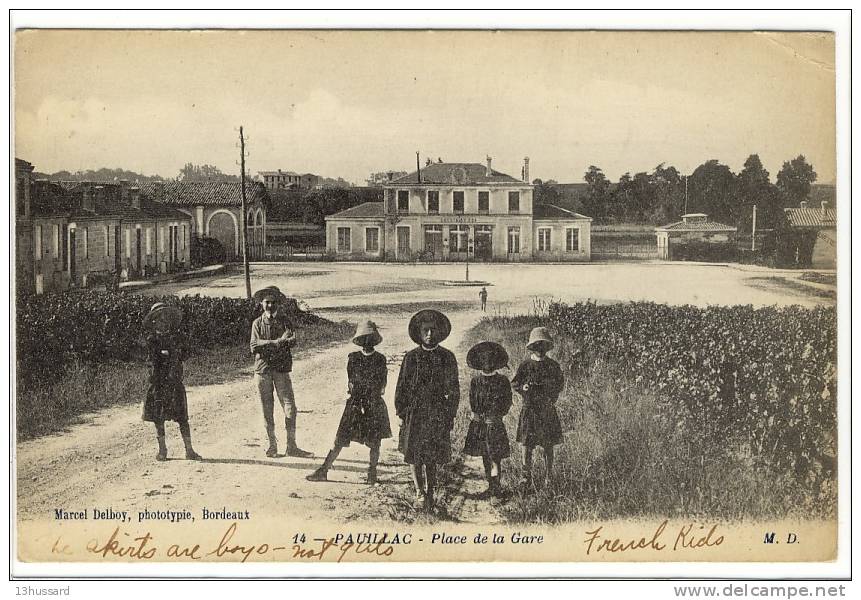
[526,169]
[390,175]
[124,189]
[99,197]
[418,168]
[489,170]
[803,204]
[824,206]
[135,197]
[158,186]
[88,202]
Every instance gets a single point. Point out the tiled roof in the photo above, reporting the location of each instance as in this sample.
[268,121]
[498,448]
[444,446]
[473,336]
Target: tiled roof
[703,225]
[546,212]
[455,174]
[292,173]
[205,193]
[811,217]
[362,211]
[54,199]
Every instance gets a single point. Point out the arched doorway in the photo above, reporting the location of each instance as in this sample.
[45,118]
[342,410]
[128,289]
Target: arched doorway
[222,226]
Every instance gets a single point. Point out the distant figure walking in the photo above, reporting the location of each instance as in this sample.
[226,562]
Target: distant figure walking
[482,295]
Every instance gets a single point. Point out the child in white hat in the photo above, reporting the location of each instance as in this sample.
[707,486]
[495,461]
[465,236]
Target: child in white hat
[165,398]
[365,419]
[539,381]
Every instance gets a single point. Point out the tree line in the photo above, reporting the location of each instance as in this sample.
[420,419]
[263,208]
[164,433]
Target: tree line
[659,197]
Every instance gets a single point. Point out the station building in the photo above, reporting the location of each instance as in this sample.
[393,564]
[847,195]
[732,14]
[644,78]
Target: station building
[455,212]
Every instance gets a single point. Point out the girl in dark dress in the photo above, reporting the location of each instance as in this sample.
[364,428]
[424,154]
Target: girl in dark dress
[539,381]
[165,398]
[426,400]
[490,401]
[365,419]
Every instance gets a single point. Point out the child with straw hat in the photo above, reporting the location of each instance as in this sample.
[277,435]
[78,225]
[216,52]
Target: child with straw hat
[426,400]
[365,419]
[539,381]
[166,399]
[490,401]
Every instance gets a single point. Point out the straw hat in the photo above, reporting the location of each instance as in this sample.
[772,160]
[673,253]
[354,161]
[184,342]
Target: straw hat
[367,329]
[269,292]
[538,335]
[488,355]
[443,325]
[164,317]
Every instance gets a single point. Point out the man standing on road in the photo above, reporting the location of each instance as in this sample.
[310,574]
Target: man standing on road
[272,336]
[483,297]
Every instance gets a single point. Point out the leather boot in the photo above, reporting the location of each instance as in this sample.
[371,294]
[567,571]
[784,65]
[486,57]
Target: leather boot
[292,448]
[190,454]
[322,472]
[272,451]
[162,449]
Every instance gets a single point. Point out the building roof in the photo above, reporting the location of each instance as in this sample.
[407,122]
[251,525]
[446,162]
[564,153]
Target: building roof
[548,212]
[811,217]
[270,173]
[703,225]
[55,200]
[204,193]
[362,211]
[455,174]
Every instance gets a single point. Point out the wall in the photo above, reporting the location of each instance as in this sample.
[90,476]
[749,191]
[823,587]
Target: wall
[825,250]
[357,238]
[558,237]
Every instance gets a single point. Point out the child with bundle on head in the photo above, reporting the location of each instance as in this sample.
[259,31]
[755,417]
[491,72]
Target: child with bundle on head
[365,419]
[539,381]
[165,398]
[490,401]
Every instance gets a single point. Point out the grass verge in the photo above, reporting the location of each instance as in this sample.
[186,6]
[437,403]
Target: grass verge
[87,387]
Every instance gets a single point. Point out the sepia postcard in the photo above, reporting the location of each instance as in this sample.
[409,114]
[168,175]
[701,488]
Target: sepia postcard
[313,299]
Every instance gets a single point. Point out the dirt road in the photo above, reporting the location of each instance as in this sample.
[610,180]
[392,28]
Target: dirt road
[109,462]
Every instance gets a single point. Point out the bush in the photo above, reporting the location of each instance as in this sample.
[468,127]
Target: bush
[55,330]
[719,411]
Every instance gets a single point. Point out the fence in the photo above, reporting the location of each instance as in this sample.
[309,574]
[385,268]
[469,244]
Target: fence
[285,252]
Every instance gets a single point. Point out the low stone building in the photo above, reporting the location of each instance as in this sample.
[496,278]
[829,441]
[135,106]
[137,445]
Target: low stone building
[693,228]
[216,210]
[819,223]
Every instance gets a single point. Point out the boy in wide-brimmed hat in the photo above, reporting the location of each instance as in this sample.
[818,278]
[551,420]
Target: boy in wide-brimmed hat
[166,399]
[490,401]
[426,400]
[272,336]
[365,418]
[539,381]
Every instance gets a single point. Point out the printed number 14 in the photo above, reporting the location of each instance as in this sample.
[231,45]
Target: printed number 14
[299,538]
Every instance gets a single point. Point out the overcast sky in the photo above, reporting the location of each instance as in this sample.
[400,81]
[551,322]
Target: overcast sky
[349,103]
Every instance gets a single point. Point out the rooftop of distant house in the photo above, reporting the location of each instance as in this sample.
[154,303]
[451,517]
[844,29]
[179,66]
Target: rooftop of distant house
[697,222]
[815,217]
[455,174]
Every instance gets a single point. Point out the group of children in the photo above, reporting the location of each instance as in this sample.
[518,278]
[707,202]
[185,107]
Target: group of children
[426,397]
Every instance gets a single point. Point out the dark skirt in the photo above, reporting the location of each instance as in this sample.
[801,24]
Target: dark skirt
[365,421]
[539,425]
[425,438]
[166,402]
[487,438]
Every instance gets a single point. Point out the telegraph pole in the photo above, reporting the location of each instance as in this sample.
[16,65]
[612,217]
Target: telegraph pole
[686,195]
[753,231]
[244,216]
